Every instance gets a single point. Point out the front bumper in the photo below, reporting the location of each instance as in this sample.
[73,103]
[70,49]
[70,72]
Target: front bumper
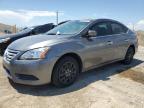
[29,72]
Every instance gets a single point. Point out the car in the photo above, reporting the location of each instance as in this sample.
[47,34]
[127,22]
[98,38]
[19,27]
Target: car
[5,40]
[60,55]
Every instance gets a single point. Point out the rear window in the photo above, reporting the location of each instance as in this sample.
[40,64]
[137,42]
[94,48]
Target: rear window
[118,28]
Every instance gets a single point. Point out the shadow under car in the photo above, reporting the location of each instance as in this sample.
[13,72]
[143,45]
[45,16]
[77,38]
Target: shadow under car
[103,73]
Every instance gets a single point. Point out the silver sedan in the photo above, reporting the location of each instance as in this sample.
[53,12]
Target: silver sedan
[60,55]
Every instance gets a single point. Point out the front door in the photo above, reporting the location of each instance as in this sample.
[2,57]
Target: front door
[98,49]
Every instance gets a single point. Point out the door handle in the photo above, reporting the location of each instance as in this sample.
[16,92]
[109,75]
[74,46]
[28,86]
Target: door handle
[109,42]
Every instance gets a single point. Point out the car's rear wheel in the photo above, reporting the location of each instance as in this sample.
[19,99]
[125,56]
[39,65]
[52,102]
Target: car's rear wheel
[129,56]
[65,72]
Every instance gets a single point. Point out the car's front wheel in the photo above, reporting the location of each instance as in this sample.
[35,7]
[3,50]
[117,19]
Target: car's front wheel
[129,56]
[65,72]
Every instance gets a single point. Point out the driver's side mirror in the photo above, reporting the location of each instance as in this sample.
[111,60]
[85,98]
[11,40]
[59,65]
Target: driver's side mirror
[92,33]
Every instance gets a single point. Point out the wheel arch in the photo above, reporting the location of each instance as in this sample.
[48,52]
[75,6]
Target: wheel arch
[70,54]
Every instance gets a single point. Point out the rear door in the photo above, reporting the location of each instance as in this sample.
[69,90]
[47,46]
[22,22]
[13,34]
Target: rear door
[120,39]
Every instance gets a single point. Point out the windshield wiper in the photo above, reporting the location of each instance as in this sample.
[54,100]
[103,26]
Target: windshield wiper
[53,34]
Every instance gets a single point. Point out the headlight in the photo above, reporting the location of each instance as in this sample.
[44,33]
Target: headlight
[34,54]
[4,40]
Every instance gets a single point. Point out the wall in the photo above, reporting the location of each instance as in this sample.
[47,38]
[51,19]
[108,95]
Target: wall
[7,28]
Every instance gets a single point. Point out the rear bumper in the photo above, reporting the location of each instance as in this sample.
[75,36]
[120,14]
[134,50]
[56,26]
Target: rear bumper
[29,72]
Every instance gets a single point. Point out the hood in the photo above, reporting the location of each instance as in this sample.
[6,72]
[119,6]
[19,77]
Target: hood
[14,35]
[36,41]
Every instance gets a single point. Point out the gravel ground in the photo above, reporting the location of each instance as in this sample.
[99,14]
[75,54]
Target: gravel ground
[111,86]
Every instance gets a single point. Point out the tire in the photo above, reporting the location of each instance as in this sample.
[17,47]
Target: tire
[129,56]
[1,52]
[65,72]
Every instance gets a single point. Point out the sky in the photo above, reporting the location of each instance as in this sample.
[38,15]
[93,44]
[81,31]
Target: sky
[34,12]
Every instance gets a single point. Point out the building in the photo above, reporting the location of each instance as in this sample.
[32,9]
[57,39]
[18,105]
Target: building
[7,29]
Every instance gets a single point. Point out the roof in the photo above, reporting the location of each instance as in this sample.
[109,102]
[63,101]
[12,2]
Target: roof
[102,19]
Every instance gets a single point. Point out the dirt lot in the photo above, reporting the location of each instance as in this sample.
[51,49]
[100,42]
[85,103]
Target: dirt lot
[111,86]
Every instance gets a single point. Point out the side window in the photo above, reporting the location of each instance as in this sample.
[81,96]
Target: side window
[37,30]
[102,29]
[118,28]
[43,29]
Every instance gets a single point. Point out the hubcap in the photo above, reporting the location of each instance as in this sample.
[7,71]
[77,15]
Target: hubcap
[67,72]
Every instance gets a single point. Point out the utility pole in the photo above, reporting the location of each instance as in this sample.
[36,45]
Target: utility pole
[57,17]
[133,27]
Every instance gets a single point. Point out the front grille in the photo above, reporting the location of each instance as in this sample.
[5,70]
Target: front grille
[10,54]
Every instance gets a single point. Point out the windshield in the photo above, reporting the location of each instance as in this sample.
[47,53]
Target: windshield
[69,28]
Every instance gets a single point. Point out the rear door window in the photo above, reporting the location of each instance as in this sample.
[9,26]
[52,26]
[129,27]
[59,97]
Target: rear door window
[118,28]
[42,29]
